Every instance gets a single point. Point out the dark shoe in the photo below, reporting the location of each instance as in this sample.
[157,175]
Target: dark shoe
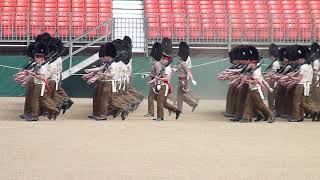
[295,119]
[259,118]
[24,116]
[178,114]
[158,119]
[273,118]
[99,118]
[313,116]
[234,119]
[149,115]
[55,115]
[124,114]
[227,114]
[70,103]
[92,116]
[32,118]
[243,120]
[194,107]
[317,117]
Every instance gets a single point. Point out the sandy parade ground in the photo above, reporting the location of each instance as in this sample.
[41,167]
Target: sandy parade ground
[199,146]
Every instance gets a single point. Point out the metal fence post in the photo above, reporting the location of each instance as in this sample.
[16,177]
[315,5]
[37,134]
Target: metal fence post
[71,43]
[229,33]
[28,23]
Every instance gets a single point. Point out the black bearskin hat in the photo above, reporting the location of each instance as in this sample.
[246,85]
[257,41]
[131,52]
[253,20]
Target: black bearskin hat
[314,50]
[253,53]
[274,50]
[167,45]
[156,51]
[282,53]
[184,51]
[30,50]
[55,45]
[44,38]
[128,40]
[110,50]
[40,48]
[243,53]
[101,50]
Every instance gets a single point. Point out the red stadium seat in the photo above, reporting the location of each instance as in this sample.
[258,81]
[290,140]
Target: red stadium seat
[291,31]
[180,30]
[236,31]
[194,30]
[263,31]
[208,31]
[278,31]
[166,30]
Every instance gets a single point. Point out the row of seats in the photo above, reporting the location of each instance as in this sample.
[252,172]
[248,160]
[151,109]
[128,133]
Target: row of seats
[250,19]
[53,16]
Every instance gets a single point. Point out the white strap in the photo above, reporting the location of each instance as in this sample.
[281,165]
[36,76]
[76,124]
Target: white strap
[43,87]
[260,92]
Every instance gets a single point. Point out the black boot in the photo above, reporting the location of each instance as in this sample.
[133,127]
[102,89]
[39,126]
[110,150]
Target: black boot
[178,112]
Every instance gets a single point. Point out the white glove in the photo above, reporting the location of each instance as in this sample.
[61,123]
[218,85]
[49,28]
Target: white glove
[194,82]
[271,90]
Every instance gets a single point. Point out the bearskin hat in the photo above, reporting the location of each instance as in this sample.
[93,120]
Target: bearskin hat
[40,48]
[44,38]
[128,40]
[282,53]
[274,50]
[110,50]
[30,50]
[253,53]
[55,45]
[167,45]
[156,51]
[184,51]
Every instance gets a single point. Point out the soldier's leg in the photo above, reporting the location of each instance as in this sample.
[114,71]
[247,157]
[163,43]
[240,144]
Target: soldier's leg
[106,90]
[151,97]
[180,96]
[247,112]
[297,102]
[187,99]
[259,104]
[27,103]
[160,103]
[34,102]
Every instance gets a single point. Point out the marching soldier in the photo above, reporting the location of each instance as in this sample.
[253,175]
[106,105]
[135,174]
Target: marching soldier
[183,73]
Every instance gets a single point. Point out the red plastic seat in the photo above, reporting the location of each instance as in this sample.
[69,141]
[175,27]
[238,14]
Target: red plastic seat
[181,11]
[188,2]
[291,31]
[221,2]
[194,30]
[278,31]
[204,2]
[166,30]
[263,31]
[208,30]
[153,30]
[180,30]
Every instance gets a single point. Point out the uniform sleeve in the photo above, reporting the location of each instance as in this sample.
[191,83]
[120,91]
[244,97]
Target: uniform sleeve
[257,74]
[303,70]
[189,62]
[167,71]
[275,65]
